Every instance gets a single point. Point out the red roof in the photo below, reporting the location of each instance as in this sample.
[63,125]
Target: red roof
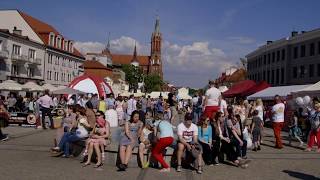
[239,88]
[126,59]
[43,30]
[94,64]
[259,87]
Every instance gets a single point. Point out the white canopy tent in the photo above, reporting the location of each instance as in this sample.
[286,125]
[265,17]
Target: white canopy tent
[269,93]
[156,94]
[10,85]
[49,86]
[67,90]
[312,90]
[32,87]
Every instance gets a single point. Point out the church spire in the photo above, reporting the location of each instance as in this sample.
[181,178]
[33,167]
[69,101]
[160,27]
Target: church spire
[134,60]
[108,43]
[106,50]
[157,26]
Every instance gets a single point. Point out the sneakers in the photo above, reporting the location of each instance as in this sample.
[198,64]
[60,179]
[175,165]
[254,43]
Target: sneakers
[5,138]
[179,168]
[164,170]
[199,170]
[301,144]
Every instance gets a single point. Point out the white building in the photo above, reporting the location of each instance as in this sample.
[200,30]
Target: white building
[60,61]
[20,58]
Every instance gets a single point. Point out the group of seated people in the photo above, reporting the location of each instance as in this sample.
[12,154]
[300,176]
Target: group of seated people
[194,145]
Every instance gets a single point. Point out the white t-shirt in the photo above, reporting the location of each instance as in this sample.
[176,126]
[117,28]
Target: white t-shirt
[213,95]
[187,133]
[278,112]
[195,100]
[223,105]
[112,117]
[260,111]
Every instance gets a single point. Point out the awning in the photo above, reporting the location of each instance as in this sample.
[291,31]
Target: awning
[10,85]
[67,90]
[239,88]
[32,87]
[269,93]
[259,87]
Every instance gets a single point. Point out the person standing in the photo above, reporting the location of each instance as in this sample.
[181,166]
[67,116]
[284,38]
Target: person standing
[315,128]
[278,120]
[46,103]
[144,103]
[11,103]
[212,100]
[172,104]
[132,105]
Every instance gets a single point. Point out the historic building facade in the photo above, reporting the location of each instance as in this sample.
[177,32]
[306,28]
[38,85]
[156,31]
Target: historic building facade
[55,55]
[148,64]
[288,61]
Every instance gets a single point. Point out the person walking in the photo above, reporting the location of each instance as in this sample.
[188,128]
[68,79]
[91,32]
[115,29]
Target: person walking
[278,120]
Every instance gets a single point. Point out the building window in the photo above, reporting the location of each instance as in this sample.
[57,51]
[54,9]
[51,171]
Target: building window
[283,54]
[14,70]
[51,40]
[277,76]
[312,49]
[303,51]
[30,72]
[295,72]
[56,76]
[319,47]
[16,50]
[282,76]
[273,57]
[264,75]
[32,54]
[50,58]
[278,56]
[269,58]
[302,71]
[295,52]
[75,65]
[49,75]
[268,76]
[264,59]
[311,70]
[272,77]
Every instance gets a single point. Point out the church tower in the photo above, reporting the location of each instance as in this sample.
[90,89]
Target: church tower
[155,60]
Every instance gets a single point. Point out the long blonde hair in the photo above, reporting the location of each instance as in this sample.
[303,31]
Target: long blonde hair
[259,102]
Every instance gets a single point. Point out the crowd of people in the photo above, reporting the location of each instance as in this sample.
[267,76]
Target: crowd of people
[210,132]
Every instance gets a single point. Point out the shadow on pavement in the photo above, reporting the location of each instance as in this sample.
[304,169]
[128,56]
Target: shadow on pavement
[299,175]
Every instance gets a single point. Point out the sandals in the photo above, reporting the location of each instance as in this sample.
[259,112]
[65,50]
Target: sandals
[85,164]
[98,165]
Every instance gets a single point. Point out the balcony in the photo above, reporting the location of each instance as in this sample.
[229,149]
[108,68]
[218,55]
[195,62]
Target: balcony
[19,58]
[4,54]
[36,61]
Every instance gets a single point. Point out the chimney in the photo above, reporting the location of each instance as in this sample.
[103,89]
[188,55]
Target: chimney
[16,31]
[294,33]
[269,42]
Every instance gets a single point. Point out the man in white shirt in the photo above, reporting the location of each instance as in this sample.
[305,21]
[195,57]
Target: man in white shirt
[277,120]
[132,105]
[212,100]
[188,140]
[112,116]
[46,103]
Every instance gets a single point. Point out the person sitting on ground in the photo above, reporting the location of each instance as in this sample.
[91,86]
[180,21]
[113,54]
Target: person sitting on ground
[256,127]
[80,133]
[145,142]
[205,138]
[97,140]
[129,139]
[188,140]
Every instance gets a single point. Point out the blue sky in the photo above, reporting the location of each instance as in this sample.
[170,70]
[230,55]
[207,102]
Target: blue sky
[201,38]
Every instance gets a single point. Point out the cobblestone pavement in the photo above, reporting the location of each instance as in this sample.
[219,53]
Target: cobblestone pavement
[26,156]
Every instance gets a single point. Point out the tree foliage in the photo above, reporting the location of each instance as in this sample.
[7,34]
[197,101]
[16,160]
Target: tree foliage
[153,82]
[133,75]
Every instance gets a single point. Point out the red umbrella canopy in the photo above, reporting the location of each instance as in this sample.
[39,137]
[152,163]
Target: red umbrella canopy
[259,87]
[239,88]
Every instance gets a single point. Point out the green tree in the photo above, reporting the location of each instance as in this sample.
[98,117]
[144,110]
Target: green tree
[133,76]
[153,82]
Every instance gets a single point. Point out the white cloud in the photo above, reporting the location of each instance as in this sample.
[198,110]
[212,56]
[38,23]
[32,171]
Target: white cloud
[185,65]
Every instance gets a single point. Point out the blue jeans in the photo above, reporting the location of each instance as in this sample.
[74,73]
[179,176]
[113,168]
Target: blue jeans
[67,138]
[197,112]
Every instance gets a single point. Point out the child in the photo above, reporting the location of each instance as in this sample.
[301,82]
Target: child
[100,130]
[256,130]
[294,131]
[145,142]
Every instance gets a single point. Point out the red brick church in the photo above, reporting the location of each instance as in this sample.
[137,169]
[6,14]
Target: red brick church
[151,64]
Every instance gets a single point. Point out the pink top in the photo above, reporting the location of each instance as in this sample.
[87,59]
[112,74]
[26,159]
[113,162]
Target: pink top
[45,101]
